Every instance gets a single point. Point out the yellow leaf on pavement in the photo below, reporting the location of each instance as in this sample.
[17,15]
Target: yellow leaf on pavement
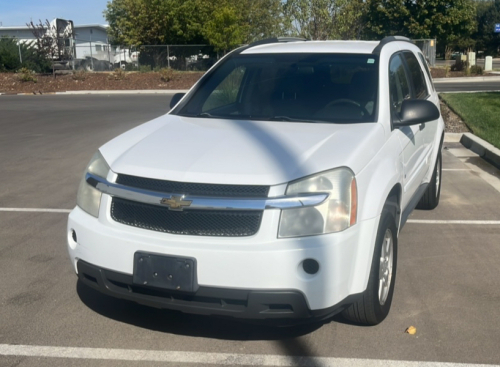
[411,330]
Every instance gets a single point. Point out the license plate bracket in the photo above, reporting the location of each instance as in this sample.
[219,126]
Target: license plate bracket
[165,272]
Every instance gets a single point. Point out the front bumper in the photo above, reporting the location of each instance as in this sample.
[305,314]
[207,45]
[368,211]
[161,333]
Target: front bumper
[238,303]
[258,267]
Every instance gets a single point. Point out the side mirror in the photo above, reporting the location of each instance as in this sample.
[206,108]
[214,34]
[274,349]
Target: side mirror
[416,111]
[176,98]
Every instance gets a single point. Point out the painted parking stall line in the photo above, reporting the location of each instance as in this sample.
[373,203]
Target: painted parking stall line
[223,359]
[476,222]
[415,221]
[35,210]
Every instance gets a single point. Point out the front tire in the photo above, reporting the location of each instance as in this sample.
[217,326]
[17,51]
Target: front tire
[430,200]
[374,304]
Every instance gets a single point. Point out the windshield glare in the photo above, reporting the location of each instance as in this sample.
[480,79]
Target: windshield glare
[290,87]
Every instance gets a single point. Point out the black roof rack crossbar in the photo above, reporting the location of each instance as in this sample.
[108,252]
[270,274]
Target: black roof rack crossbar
[387,40]
[277,40]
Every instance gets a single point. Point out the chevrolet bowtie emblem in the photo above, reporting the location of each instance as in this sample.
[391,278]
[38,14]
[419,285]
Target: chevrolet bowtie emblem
[176,202]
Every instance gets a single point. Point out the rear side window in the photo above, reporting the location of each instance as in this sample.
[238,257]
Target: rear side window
[416,75]
[398,83]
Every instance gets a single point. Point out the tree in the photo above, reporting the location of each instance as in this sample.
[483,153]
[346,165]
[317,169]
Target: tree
[9,55]
[10,60]
[236,22]
[142,23]
[156,22]
[50,40]
[262,18]
[451,22]
[487,16]
[160,22]
[325,19]
[224,31]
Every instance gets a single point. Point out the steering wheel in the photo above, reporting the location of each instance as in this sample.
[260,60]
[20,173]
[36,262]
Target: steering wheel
[347,101]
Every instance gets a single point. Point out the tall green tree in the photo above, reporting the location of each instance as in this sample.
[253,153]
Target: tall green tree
[487,16]
[264,18]
[451,22]
[325,19]
[223,23]
[224,30]
[156,22]
[235,22]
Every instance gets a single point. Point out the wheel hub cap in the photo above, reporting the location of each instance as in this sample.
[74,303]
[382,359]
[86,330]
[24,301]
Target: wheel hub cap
[385,268]
[438,176]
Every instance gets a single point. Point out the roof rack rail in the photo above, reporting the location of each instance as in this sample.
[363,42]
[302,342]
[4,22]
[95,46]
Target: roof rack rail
[387,40]
[277,40]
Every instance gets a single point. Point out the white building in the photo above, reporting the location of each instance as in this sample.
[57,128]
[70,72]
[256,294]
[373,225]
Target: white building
[90,45]
[85,33]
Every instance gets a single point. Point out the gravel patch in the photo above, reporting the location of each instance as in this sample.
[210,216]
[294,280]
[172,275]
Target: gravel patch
[453,122]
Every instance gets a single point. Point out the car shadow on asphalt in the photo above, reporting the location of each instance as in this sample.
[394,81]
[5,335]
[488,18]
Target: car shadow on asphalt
[175,322]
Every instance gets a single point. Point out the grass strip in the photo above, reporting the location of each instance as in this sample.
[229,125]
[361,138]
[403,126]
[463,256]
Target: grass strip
[480,111]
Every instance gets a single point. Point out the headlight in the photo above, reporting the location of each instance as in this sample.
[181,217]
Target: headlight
[335,214]
[88,198]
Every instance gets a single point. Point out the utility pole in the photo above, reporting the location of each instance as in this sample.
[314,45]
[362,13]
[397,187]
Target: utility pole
[91,58]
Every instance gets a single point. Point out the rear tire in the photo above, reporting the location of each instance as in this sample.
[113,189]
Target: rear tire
[374,304]
[430,200]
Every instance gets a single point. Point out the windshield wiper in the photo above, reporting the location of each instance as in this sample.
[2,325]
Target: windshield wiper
[229,117]
[204,114]
[290,119]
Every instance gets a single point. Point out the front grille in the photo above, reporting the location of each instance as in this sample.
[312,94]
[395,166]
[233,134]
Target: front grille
[188,188]
[224,223]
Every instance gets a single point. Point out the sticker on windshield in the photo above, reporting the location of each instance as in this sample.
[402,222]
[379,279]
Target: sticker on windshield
[370,61]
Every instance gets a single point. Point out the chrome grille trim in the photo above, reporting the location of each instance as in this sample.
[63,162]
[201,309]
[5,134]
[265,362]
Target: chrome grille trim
[205,203]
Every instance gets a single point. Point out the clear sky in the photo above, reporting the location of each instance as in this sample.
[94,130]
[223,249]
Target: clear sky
[20,12]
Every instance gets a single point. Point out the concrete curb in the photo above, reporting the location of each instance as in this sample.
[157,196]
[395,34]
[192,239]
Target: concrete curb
[452,137]
[485,150]
[139,91]
[80,92]
[469,79]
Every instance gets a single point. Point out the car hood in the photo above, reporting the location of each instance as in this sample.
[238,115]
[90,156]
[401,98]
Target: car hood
[226,151]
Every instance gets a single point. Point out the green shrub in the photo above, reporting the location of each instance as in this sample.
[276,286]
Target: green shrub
[79,74]
[32,59]
[476,69]
[130,67]
[447,71]
[460,65]
[166,74]
[118,74]
[26,75]
[145,69]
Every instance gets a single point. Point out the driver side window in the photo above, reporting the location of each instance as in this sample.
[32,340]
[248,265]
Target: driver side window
[398,83]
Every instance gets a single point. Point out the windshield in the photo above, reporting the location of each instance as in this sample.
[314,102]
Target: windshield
[290,87]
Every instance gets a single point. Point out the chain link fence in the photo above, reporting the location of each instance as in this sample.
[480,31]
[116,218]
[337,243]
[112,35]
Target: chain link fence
[99,56]
[177,57]
[105,57]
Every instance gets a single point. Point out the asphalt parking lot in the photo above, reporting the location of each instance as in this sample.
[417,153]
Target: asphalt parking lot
[448,280]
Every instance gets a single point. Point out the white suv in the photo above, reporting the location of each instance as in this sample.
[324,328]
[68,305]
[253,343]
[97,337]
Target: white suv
[275,189]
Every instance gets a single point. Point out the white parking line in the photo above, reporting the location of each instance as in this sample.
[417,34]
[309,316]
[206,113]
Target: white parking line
[416,221]
[426,221]
[35,210]
[224,359]
[456,169]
